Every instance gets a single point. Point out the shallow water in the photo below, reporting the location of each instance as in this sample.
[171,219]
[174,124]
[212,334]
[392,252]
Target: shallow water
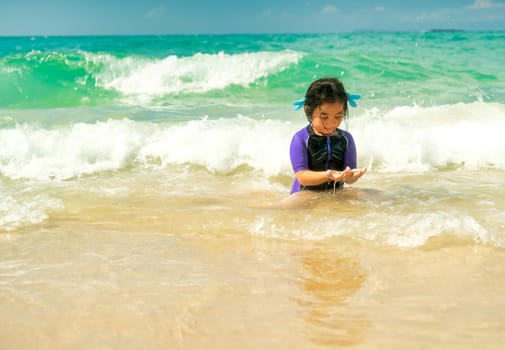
[144,194]
[92,286]
[394,264]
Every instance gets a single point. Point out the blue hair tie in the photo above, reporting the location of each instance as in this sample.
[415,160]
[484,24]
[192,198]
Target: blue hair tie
[351,99]
[299,103]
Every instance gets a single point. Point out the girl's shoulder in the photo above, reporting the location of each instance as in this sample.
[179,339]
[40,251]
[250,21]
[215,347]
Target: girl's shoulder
[302,133]
[345,133]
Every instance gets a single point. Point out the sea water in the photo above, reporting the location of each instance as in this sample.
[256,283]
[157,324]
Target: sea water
[144,193]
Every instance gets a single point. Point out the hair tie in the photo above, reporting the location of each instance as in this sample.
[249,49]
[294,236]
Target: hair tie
[351,99]
[299,103]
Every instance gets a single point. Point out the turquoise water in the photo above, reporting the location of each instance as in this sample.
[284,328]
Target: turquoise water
[389,69]
[74,108]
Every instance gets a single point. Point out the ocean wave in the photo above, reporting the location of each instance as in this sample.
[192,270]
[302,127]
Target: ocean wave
[461,136]
[47,79]
[220,145]
[145,79]
[54,78]
[413,138]
[400,230]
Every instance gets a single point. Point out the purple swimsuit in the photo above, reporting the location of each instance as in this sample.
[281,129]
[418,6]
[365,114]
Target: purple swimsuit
[301,157]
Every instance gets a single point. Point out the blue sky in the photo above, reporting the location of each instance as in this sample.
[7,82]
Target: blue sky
[99,17]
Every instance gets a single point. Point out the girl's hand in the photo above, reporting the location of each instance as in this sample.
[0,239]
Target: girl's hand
[355,175]
[335,175]
[348,175]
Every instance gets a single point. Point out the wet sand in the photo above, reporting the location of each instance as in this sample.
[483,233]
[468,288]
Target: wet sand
[94,287]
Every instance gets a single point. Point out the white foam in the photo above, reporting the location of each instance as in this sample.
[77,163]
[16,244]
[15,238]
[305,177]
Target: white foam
[36,153]
[144,79]
[419,139]
[18,212]
[409,230]
[219,145]
[223,145]
[405,139]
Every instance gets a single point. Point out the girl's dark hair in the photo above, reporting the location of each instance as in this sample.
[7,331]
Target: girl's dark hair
[324,90]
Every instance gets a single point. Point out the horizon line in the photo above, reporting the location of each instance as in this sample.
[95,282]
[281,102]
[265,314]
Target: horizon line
[358,31]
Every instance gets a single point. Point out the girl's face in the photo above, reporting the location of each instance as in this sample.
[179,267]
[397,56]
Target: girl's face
[327,118]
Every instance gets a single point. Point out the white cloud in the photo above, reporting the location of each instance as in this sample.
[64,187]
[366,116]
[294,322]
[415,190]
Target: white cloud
[379,9]
[155,11]
[269,13]
[485,4]
[329,9]
[434,16]
[266,13]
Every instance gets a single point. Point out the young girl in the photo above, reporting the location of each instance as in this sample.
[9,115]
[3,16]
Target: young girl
[322,155]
